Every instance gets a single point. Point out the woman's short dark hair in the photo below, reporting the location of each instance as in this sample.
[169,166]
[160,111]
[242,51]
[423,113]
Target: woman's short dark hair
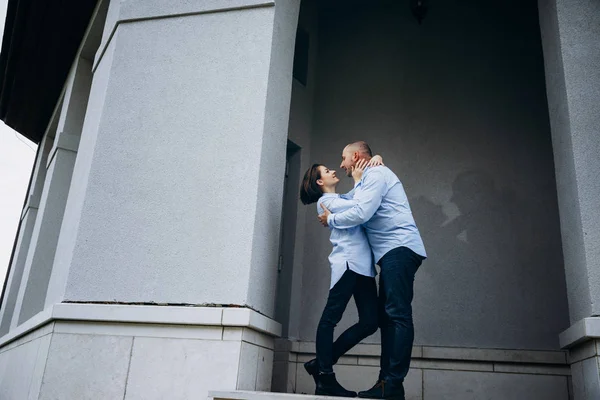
[310,192]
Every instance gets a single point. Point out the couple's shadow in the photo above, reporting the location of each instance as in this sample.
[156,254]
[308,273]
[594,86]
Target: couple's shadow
[463,291]
[480,267]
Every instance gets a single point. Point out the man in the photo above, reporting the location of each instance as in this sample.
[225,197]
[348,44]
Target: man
[382,208]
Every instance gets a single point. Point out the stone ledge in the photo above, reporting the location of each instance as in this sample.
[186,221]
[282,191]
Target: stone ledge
[450,365]
[364,351]
[244,317]
[138,314]
[495,355]
[212,316]
[29,337]
[248,395]
[562,370]
[37,321]
[581,331]
[220,317]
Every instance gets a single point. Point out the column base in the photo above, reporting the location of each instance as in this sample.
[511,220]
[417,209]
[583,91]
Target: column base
[147,352]
[582,340]
[585,370]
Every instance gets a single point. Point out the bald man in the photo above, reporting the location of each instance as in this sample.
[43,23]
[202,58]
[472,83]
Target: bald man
[382,209]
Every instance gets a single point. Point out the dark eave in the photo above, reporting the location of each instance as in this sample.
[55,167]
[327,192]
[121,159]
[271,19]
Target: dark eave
[41,38]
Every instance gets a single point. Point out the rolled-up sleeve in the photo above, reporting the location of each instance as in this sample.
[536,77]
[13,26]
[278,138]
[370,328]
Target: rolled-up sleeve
[368,197]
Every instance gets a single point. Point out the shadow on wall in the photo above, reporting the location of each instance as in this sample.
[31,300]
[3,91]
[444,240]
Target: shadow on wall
[482,280]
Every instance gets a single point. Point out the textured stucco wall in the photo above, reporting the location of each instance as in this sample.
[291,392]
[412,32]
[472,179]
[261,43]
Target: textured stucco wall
[457,107]
[166,204]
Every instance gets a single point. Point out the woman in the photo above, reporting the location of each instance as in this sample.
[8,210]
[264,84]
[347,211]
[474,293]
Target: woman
[352,274]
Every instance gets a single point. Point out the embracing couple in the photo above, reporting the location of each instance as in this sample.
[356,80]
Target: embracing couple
[371,224]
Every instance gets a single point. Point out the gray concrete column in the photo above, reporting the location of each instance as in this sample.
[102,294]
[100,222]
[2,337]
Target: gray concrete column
[38,266]
[570,34]
[299,133]
[177,190]
[28,218]
[40,258]
[571,42]
[176,194]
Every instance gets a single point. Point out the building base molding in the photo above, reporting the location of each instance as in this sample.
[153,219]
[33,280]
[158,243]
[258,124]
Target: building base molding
[137,352]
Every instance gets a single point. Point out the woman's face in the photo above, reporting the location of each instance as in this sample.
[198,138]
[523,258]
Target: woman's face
[328,177]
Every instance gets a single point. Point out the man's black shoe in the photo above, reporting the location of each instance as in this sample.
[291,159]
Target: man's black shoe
[312,367]
[383,390]
[327,385]
[373,392]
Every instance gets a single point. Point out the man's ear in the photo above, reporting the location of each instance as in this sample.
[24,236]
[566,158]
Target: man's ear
[355,156]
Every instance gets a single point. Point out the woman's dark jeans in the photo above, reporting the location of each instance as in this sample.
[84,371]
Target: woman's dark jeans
[398,269]
[364,290]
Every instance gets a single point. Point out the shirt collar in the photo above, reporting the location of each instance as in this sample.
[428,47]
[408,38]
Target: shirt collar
[362,177]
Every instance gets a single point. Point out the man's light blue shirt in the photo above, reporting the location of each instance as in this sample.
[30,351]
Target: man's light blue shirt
[382,209]
[350,246]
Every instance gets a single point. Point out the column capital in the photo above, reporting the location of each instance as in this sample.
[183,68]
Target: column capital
[64,141]
[140,10]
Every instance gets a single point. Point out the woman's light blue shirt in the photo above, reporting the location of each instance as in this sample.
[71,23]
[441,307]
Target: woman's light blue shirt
[351,248]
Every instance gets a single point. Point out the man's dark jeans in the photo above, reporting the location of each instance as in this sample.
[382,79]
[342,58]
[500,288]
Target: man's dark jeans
[398,269]
[364,290]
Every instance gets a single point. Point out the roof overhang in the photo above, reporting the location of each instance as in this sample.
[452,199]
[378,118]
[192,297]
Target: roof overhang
[41,38]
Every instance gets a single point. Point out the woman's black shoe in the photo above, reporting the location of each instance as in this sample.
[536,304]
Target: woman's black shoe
[327,385]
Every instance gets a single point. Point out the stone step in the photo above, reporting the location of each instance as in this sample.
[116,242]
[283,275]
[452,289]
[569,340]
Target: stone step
[250,395]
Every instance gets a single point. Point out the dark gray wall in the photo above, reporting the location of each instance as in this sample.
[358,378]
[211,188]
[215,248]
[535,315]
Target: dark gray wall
[457,108]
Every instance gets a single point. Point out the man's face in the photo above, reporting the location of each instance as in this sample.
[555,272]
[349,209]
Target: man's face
[349,159]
